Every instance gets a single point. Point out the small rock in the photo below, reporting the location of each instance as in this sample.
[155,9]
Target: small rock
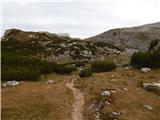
[125,89]
[97,116]
[106,93]
[4,85]
[107,103]
[91,106]
[50,82]
[113,91]
[73,76]
[127,67]
[145,69]
[148,107]
[115,113]
[12,83]
[112,76]
[113,80]
[152,87]
[153,84]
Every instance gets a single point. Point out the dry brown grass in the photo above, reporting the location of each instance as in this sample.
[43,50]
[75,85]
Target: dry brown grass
[129,103]
[37,101]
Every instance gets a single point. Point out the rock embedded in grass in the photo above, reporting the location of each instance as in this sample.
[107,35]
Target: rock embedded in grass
[145,69]
[153,87]
[107,103]
[154,84]
[106,93]
[113,80]
[4,85]
[148,107]
[50,82]
[11,83]
[112,76]
[127,67]
[114,114]
[125,89]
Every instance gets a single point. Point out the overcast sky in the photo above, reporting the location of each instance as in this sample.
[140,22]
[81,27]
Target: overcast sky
[78,17]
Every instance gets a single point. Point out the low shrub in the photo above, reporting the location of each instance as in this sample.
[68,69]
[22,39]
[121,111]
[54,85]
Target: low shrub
[87,72]
[153,44]
[102,65]
[146,59]
[79,64]
[19,73]
[61,69]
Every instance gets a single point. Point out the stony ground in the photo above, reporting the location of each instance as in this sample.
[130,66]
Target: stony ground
[128,100]
[127,95]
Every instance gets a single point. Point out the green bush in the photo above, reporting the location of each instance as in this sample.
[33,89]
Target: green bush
[61,69]
[16,67]
[153,44]
[87,72]
[146,59]
[102,65]
[19,73]
[79,64]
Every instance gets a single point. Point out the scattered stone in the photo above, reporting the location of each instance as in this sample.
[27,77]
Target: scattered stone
[145,69]
[91,106]
[107,103]
[11,83]
[112,76]
[127,67]
[153,84]
[148,107]
[73,76]
[125,89]
[114,114]
[4,85]
[97,116]
[113,91]
[50,82]
[106,93]
[113,80]
[153,87]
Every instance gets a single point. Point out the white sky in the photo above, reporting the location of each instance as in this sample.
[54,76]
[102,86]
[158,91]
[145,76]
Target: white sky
[79,18]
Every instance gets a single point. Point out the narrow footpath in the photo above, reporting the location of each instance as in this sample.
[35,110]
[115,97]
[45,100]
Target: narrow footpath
[78,104]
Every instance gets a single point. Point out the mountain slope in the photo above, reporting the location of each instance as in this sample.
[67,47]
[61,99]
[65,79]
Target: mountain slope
[55,47]
[138,37]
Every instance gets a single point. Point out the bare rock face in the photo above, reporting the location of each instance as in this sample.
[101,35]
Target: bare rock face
[135,37]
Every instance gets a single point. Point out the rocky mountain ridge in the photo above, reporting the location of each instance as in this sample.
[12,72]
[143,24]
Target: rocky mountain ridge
[139,37]
[56,46]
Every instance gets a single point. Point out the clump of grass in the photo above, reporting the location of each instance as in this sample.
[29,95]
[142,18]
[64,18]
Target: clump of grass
[103,65]
[87,72]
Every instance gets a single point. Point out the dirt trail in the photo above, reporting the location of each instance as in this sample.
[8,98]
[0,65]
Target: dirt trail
[78,105]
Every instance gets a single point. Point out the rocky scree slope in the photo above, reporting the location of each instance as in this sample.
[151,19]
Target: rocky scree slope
[51,46]
[139,37]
